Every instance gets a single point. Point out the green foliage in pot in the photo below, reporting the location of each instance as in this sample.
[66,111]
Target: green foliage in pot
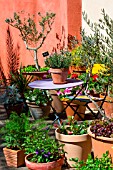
[11,96]
[102,128]
[14,131]
[73,127]
[103,163]
[37,96]
[32,68]
[59,60]
[32,36]
[43,147]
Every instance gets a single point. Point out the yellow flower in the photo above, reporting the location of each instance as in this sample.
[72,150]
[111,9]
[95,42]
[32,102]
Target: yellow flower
[97,68]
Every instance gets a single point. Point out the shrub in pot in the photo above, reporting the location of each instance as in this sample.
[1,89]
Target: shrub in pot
[77,141]
[38,103]
[43,152]
[14,133]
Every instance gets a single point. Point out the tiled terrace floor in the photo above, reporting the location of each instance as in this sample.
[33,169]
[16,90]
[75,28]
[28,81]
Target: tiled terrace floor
[3,165]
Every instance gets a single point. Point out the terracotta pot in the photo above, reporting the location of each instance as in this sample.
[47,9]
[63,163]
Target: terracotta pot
[59,76]
[14,108]
[92,105]
[14,158]
[101,144]
[70,112]
[38,112]
[55,165]
[77,69]
[108,106]
[75,146]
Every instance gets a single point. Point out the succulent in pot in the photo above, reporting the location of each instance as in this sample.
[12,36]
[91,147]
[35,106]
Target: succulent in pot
[101,132]
[59,65]
[12,100]
[77,141]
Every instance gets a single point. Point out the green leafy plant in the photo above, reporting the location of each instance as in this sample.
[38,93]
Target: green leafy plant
[102,163]
[37,96]
[73,127]
[43,147]
[32,36]
[59,60]
[14,131]
[32,68]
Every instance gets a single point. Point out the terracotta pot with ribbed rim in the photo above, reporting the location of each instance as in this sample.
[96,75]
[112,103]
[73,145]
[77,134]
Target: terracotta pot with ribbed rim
[101,144]
[14,158]
[55,165]
[59,76]
[75,146]
[77,69]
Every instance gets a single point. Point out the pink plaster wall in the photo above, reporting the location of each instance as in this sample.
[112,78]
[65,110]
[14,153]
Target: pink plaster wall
[67,22]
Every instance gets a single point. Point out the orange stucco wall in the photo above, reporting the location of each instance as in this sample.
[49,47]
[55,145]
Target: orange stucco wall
[67,22]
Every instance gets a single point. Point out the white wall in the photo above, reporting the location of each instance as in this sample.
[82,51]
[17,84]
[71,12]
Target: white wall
[93,10]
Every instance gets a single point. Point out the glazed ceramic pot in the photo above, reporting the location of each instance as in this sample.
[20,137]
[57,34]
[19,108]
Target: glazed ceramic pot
[55,165]
[59,76]
[75,146]
[14,158]
[101,144]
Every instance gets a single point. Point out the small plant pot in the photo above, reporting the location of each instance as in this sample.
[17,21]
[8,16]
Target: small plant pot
[59,76]
[55,165]
[75,146]
[14,158]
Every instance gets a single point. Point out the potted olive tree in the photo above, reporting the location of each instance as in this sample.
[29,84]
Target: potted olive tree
[32,36]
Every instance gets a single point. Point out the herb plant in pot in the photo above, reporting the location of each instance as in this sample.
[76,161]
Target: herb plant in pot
[77,141]
[43,151]
[37,102]
[59,65]
[101,132]
[13,134]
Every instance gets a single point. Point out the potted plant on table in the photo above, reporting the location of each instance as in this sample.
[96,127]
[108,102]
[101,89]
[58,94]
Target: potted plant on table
[43,152]
[32,36]
[59,65]
[38,103]
[12,100]
[77,141]
[13,134]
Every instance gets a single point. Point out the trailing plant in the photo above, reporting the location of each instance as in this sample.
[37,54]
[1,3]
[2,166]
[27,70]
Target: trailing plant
[59,60]
[73,127]
[32,36]
[103,163]
[43,147]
